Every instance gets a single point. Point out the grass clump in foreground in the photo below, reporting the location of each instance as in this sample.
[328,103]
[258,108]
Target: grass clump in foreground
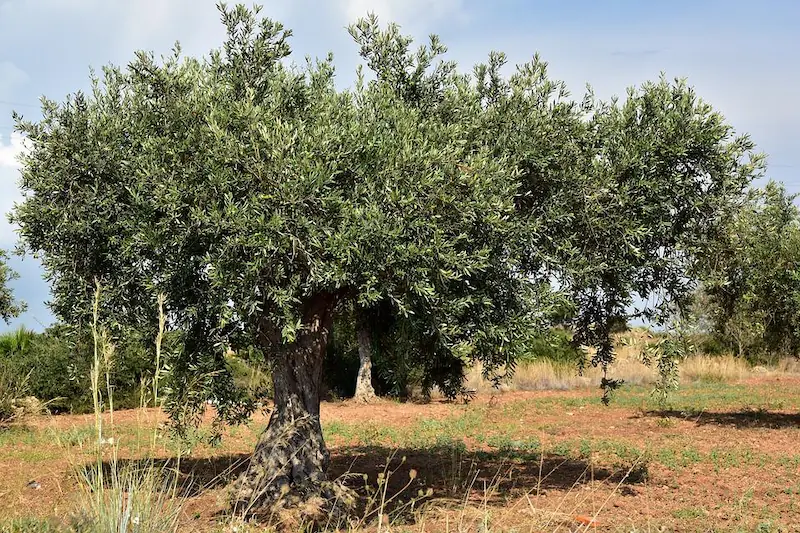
[115,496]
[128,498]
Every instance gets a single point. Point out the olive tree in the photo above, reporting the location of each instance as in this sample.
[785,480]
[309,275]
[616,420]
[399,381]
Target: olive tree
[751,286]
[663,174]
[261,200]
[618,201]
[257,197]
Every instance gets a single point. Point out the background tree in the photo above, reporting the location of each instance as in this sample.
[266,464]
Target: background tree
[370,324]
[9,308]
[663,172]
[616,200]
[619,201]
[751,288]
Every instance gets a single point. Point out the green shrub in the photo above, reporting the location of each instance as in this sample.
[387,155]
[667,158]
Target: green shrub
[248,375]
[554,345]
[59,372]
[710,344]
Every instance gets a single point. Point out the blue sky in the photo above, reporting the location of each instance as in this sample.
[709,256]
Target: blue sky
[742,57]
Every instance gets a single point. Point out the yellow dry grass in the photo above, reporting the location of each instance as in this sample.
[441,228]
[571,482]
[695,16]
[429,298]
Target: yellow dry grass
[544,374]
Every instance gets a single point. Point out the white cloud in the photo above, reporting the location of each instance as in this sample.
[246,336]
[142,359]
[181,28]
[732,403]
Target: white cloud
[157,24]
[115,29]
[9,153]
[9,163]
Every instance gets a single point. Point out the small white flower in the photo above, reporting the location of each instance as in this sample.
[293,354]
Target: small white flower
[135,520]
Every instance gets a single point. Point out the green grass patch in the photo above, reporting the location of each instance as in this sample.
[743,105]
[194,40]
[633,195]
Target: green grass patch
[689,513]
[28,525]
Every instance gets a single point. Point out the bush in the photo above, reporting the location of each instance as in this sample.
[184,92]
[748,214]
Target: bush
[57,365]
[59,372]
[248,374]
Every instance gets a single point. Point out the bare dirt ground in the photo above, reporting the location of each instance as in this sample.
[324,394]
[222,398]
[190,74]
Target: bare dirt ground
[719,457]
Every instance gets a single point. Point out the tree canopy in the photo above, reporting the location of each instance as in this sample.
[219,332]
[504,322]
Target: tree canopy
[260,199]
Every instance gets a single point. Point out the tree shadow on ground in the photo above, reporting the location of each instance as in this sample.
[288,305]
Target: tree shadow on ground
[452,471]
[444,474]
[748,418]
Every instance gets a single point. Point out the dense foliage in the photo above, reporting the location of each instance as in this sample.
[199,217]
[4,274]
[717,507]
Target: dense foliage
[12,384]
[615,200]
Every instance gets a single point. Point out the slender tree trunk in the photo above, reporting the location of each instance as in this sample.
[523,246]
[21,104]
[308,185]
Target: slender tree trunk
[365,392]
[290,461]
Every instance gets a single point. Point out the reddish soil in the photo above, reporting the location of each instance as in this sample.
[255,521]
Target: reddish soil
[716,470]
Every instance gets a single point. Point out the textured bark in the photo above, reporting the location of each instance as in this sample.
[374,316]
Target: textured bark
[289,463]
[365,392]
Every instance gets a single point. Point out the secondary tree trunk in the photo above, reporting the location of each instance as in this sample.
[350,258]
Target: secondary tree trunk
[289,463]
[365,392]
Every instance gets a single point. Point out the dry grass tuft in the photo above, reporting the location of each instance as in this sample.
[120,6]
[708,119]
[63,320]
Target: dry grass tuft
[129,498]
[115,496]
[719,369]
[11,390]
[788,365]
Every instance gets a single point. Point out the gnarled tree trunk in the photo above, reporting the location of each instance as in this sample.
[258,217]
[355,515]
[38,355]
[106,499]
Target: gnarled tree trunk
[365,392]
[290,461]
